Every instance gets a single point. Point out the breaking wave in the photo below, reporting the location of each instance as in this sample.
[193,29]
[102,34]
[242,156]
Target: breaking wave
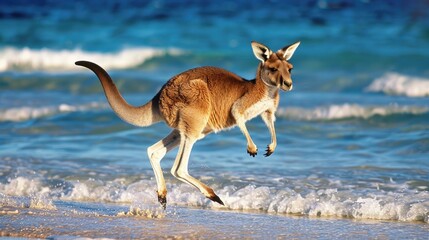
[398,84]
[345,111]
[26,59]
[19,114]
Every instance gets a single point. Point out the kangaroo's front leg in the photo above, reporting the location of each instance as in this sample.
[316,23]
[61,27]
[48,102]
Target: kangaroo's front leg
[241,123]
[269,118]
[251,147]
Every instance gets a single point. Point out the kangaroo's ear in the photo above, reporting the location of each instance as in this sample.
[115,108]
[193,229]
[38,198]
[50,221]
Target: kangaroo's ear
[289,50]
[261,52]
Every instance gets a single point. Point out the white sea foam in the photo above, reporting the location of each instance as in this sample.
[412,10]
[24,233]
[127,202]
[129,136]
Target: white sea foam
[154,212]
[63,60]
[398,84]
[344,111]
[38,195]
[333,203]
[404,205]
[25,113]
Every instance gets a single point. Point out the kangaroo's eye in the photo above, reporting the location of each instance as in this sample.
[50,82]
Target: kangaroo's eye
[290,70]
[272,69]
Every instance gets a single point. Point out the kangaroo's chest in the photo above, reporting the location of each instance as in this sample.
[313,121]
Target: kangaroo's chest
[259,107]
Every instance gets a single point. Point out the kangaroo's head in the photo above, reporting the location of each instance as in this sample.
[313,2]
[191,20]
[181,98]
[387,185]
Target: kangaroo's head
[275,70]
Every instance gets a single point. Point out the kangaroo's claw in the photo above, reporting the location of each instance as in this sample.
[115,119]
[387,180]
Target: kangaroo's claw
[253,154]
[268,151]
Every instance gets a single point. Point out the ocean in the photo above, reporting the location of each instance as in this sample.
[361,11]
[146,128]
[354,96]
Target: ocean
[353,135]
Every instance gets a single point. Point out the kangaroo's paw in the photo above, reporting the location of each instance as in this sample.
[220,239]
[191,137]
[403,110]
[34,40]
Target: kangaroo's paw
[252,151]
[269,151]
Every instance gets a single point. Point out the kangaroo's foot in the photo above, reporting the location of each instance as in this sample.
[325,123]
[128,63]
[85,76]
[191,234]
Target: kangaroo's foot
[215,198]
[162,198]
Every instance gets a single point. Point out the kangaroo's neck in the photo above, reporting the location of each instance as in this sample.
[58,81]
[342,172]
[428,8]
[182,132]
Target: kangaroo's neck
[261,86]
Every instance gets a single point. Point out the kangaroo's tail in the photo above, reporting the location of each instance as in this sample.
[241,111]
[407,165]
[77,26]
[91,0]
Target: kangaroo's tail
[139,116]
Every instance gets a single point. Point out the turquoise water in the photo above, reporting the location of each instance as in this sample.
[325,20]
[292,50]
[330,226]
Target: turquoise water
[353,134]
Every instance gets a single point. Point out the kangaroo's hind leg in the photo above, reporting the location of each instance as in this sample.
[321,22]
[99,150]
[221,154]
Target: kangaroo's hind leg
[180,169]
[156,152]
[193,121]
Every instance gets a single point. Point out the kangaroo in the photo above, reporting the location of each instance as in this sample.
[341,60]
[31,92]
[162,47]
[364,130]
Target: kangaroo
[203,100]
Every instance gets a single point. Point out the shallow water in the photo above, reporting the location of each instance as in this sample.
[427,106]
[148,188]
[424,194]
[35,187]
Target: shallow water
[353,134]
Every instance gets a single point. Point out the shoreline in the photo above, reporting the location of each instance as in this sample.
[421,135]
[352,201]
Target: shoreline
[95,220]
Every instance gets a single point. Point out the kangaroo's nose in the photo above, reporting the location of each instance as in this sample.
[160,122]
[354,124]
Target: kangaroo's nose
[287,85]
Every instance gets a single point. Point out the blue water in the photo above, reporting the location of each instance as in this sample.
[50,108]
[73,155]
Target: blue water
[353,134]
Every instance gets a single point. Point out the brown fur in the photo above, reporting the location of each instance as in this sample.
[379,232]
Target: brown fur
[211,92]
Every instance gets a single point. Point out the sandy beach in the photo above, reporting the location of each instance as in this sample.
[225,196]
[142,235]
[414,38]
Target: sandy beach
[89,220]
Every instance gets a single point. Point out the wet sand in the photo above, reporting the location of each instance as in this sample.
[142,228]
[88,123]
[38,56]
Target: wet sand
[92,220]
